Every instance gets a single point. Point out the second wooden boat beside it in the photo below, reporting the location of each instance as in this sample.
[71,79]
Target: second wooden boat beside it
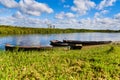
[85,43]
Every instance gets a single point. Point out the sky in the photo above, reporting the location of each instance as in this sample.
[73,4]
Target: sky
[79,14]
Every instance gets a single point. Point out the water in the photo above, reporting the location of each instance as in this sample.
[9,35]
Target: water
[44,40]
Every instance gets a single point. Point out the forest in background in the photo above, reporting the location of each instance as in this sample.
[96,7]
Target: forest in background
[27,30]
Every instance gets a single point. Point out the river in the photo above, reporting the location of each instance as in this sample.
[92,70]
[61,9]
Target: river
[44,40]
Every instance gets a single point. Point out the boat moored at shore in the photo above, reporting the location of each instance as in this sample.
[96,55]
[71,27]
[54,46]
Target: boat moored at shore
[86,43]
[9,47]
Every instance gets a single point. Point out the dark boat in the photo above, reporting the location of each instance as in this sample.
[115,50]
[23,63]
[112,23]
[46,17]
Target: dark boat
[9,47]
[58,43]
[85,43]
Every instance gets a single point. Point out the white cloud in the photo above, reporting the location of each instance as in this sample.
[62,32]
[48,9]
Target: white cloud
[82,6]
[107,23]
[101,23]
[63,15]
[117,16]
[18,15]
[24,9]
[106,3]
[104,11]
[64,19]
[63,1]
[70,15]
[60,15]
[86,23]
[91,23]
[66,6]
[24,21]
[9,3]
[67,23]
[101,13]
[30,7]
[97,14]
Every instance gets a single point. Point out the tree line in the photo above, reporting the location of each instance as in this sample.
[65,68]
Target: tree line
[26,30]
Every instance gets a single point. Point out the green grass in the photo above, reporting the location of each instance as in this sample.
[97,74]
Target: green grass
[90,63]
[26,30]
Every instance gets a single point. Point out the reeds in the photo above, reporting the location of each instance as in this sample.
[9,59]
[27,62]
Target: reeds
[26,30]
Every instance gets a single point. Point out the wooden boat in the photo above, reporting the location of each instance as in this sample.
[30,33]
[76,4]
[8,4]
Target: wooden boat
[58,43]
[61,44]
[9,47]
[85,43]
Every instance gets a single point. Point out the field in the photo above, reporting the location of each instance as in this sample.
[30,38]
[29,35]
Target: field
[89,63]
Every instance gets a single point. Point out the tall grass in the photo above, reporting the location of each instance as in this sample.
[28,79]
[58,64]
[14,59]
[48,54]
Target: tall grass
[26,30]
[90,63]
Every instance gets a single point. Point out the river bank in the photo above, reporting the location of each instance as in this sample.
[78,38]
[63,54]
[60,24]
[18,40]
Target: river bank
[98,62]
[27,30]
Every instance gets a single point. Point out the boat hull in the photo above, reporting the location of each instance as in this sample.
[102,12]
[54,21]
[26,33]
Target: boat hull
[58,43]
[85,43]
[26,48]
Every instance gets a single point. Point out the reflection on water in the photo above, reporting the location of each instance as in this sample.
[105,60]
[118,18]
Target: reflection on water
[38,39]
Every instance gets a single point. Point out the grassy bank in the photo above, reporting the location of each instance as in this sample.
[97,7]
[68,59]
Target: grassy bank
[90,63]
[24,30]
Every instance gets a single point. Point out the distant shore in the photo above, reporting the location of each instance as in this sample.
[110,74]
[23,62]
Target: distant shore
[26,30]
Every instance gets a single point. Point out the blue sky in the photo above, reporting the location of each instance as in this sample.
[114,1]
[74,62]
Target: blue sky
[87,14]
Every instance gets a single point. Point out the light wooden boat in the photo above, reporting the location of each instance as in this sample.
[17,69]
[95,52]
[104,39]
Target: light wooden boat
[9,47]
